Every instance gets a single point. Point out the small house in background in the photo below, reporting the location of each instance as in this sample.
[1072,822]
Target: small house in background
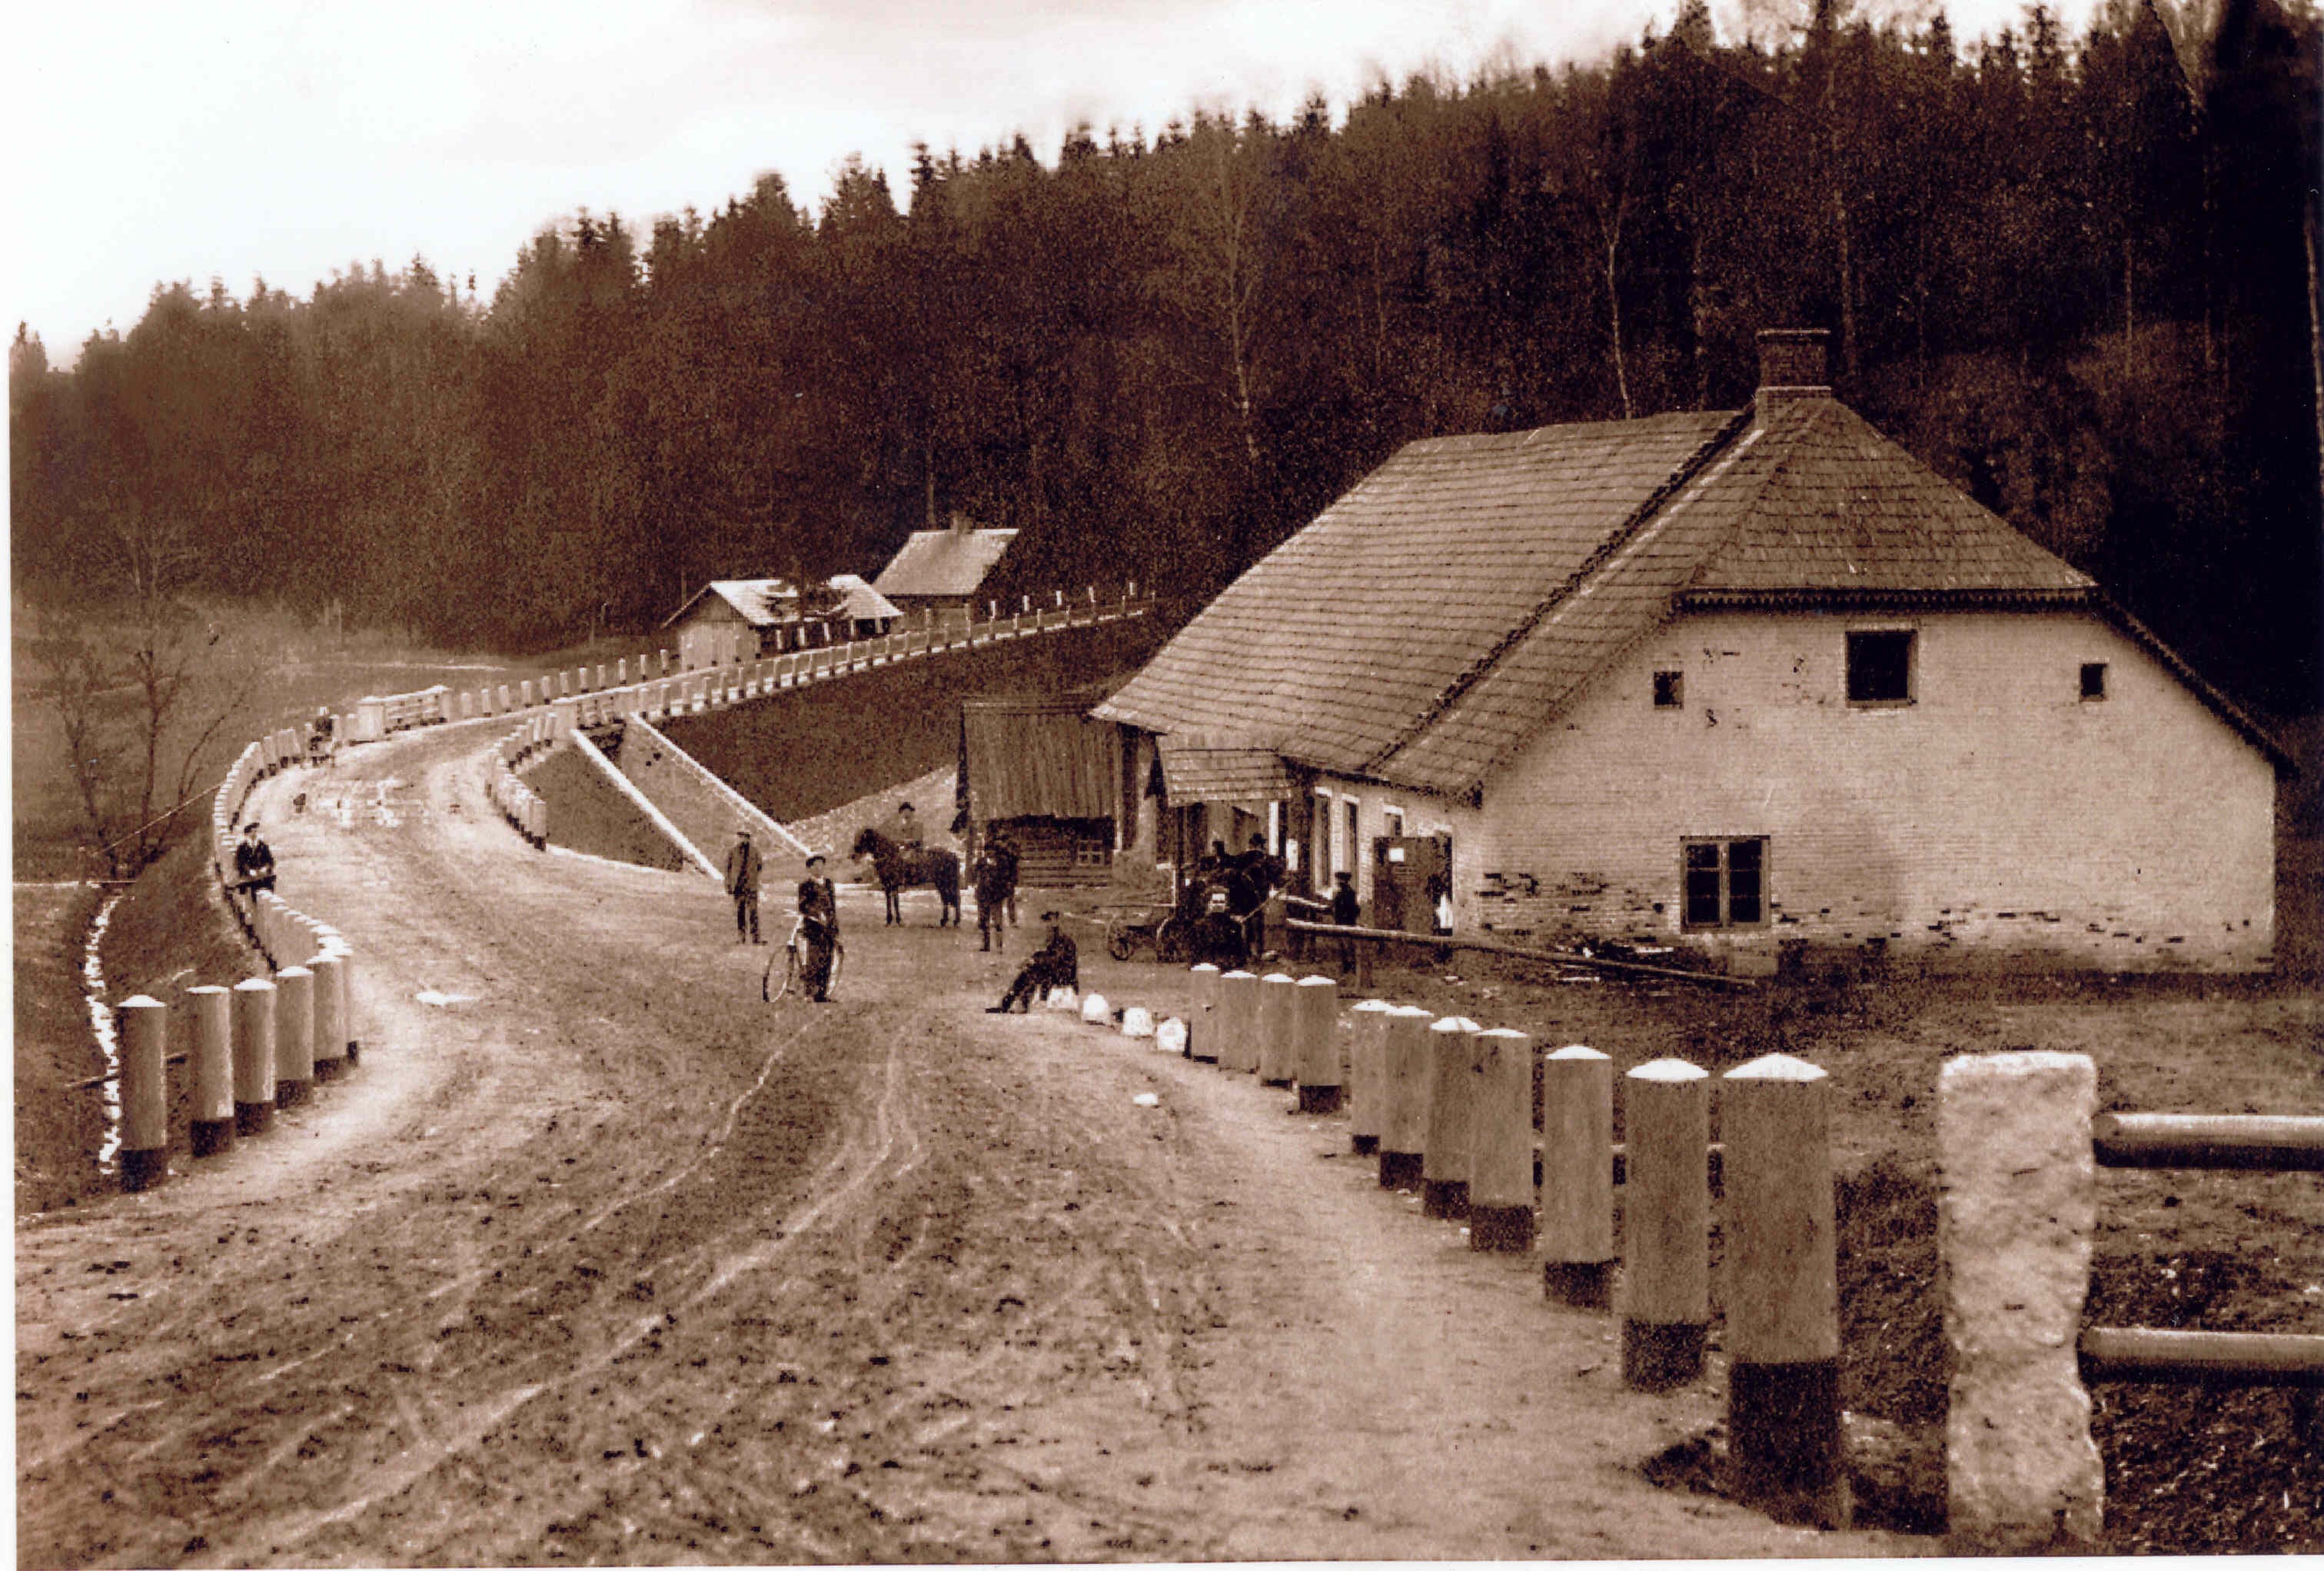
[942,572]
[732,620]
[1735,681]
[1050,775]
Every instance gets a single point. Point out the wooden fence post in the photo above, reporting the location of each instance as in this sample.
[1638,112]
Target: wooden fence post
[2016,1210]
[1665,1224]
[1501,1176]
[1409,1069]
[1785,1450]
[1204,1028]
[254,1056]
[1452,1115]
[1315,1011]
[1368,1075]
[294,1034]
[145,1025]
[1277,1047]
[212,1129]
[1239,1021]
[1577,1176]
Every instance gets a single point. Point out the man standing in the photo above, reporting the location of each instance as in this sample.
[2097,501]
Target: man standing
[743,867]
[1056,963]
[253,862]
[1347,911]
[1004,862]
[819,910]
[992,896]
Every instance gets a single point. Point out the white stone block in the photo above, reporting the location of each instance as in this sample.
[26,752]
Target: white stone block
[2017,1209]
[1170,1036]
[1096,1011]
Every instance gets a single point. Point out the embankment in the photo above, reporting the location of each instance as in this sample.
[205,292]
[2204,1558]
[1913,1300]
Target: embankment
[809,750]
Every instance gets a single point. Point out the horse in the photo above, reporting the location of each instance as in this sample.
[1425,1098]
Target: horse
[908,867]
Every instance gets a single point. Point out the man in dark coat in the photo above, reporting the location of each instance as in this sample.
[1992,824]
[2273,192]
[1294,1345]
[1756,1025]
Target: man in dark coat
[743,867]
[1347,911]
[253,862]
[992,892]
[819,910]
[1004,861]
[1056,963]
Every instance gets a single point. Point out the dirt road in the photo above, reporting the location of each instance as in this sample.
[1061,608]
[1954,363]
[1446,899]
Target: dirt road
[606,1261]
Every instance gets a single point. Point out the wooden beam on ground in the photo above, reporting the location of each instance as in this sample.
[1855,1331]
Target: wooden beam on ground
[1548,956]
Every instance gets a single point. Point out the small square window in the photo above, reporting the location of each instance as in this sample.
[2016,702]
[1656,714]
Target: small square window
[2094,682]
[1880,667]
[1670,689]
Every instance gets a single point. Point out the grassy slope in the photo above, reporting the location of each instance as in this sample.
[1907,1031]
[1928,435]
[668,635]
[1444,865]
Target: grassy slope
[819,747]
[589,813]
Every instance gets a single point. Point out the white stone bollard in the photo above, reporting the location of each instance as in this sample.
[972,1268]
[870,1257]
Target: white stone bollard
[1137,1020]
[212,1129]
[1170,1036]
[1096,1011]
[1237,1027]
[1408,1073]
[1277,1013]
[1202,1040]
[1451,1117]
[1062,999]
[2015,1219]
[1782,1291]
[254,1056]
[1315,1045]
[1366,1074]
[145,1092]
[1577,1176]
[1501,1163]
[330,1034]
[1665,1224]
[294,1035]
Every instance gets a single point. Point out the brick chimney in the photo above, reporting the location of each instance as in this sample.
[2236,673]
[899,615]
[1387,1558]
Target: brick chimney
[1793,363]
[962,524]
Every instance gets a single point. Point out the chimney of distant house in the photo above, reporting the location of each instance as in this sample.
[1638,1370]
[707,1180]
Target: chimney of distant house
[961,524]
[1793,363]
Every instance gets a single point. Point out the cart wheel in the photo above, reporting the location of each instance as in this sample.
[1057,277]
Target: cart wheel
[1119,943]
[1170,942]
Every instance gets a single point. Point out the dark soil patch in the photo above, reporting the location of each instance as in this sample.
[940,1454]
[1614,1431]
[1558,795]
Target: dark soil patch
[589,813]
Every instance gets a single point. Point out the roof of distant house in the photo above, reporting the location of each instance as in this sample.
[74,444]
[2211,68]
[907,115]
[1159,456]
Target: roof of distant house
[944,562]
[1424,625]
[764,602]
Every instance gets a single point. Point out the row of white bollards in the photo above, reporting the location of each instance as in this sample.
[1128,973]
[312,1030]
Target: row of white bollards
[1446,1106]
[260,1045]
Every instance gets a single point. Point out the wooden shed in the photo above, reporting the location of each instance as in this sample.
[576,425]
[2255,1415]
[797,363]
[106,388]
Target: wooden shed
[1053,776]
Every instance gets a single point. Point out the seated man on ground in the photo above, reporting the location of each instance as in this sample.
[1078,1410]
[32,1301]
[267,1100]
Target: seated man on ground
[1056,963]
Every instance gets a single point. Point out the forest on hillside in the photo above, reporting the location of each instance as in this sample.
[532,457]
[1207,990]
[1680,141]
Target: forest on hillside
[2075,274]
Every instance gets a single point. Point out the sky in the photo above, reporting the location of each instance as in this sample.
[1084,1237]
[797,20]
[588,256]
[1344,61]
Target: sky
[289,140]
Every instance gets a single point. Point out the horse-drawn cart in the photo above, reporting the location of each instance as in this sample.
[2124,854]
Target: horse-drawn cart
[1128,928]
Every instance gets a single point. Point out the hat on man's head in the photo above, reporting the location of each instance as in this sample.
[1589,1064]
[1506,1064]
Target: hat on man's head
[1344,876]
[743,833]
[815,858]
[903,807]
[251,827]
[1048,916]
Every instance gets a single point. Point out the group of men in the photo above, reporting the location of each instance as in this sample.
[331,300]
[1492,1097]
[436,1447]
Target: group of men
[818,931]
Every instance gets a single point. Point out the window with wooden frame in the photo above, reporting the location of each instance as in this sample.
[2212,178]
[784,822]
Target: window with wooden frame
[1670,689]
[2094,682]
[1725,882]
[1880,667]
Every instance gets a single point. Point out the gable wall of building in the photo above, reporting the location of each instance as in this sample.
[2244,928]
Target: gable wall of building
[714,633]
[1998,814]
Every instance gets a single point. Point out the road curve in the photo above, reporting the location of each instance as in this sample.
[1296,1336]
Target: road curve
[599,1258]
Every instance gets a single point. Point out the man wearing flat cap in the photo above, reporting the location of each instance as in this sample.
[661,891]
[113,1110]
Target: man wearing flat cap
[1056,963]
[742,868]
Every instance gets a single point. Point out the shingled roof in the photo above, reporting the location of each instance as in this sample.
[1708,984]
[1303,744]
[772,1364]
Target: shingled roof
[1431,620]
[944,563]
